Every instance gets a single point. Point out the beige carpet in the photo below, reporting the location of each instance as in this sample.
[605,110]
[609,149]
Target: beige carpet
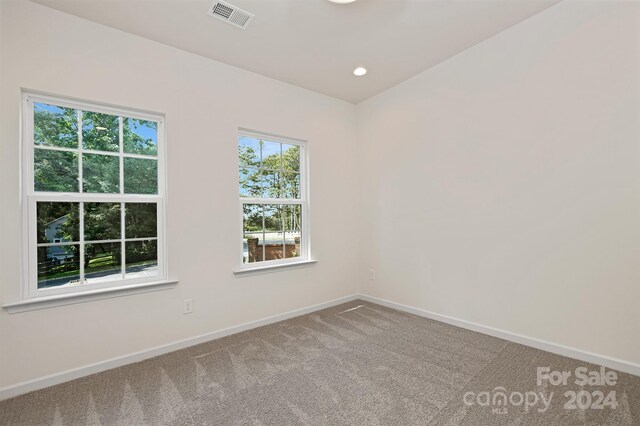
[357,363]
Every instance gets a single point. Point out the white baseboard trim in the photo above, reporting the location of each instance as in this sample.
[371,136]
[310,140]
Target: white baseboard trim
[613,363]
[87,370]
[76,373]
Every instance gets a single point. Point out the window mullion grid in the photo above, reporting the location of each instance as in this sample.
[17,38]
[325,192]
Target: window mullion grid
[61,243]
[284,233]
[81,203]
[80,167]
[121,152]
[81,231]
[96,152]
[283,201]
[55,148]
[264,238]
[143,156]
[123,256]
[71,243]
[142,239]
[65,197]
[303,173]
[281,206]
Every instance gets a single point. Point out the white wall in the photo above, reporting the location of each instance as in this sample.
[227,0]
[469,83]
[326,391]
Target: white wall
[205,102]
[502,186]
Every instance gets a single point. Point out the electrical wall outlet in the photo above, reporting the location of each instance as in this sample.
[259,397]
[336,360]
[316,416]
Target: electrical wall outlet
[372,274]
[187,307]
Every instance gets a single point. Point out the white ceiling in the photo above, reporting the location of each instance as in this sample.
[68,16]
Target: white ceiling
[314,43]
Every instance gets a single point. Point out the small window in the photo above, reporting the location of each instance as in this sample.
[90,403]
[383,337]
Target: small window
[94,196]
[273,199]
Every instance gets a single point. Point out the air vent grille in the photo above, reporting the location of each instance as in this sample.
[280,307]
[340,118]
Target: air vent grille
[230,14]
[222,10]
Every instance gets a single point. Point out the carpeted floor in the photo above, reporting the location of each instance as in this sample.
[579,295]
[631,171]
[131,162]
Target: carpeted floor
[356,363]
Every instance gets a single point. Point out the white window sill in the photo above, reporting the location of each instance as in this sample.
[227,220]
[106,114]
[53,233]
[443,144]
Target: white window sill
[254,270]
[86,296]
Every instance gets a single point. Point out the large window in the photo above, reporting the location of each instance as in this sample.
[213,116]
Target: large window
[273,199]
[93,196]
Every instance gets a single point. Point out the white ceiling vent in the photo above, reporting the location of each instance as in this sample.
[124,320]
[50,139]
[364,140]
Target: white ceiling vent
[230,14]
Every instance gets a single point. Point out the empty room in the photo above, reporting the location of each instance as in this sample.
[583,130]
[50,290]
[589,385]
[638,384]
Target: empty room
[320,212]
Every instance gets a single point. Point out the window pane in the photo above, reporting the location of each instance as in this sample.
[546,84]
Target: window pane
[58,222]
[270,231]
[271,155]
[55,171]
[101,221]
[253,247]
[252,218]
[141,258]
[55,126]
[293,226]
[271,183]
[58,265]
[140,136]
[100,131]
[292,218]
[249,152]
[274,237]
[141,220]
[103,262]
[273,219]
[140,176]
[292,243]
[252,230]
[100,173]
[250,183]
[290,185]
[291,157]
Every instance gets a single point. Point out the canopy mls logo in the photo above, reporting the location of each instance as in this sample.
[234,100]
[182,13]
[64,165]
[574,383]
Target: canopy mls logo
[499,399]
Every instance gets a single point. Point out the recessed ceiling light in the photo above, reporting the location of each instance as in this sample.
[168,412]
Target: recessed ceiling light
[342,1]
[360,71]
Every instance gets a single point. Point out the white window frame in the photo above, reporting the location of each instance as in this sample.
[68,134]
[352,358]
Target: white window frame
[303,202]
[30,198]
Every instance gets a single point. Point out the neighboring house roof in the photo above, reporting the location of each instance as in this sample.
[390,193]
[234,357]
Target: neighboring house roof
[52,229]
[60,219]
